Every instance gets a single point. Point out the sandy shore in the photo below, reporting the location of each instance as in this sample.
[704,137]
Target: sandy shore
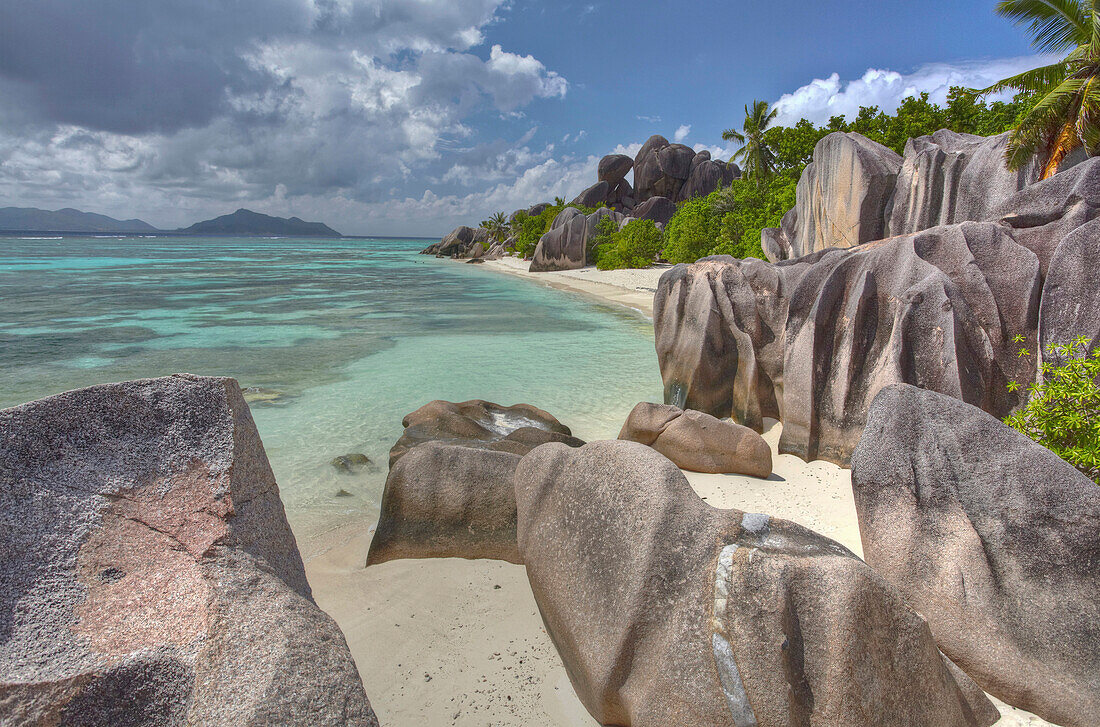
[461,643]
[632,288]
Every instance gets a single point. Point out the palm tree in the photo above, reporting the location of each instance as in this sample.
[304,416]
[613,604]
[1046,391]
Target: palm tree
[1067,116]
[498,227]
[559,201]
[754,155]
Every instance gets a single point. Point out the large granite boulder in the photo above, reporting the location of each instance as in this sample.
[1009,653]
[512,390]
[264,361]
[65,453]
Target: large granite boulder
[667,611]
[150,576]
[707,176]
[658,209]
[841,199]
[568,244]
[459,243]
[481,424]
[614,168]
[698,442]
[661,169]
[949,177]
[994,539]
[594,196]
[811,341]
[1070,307]
[448,501]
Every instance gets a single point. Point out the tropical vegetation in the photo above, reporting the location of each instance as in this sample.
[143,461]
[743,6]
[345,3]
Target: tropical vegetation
[636,245]
[1063,409]
[754,156]
[1066,116]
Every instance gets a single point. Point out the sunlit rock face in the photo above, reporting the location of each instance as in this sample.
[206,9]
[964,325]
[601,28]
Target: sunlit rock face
[811,341]
[150,575]
[667,611]
[992,538]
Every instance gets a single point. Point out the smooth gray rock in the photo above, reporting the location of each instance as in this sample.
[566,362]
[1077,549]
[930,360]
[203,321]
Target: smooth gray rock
[949,177]
[461,242]
[707,177]
[658,209]
[568,244]
[1070,305]
[482,424]
[842,197]
[537,209]
[994,539]
[614,168]
[703,156]
[667,611]
[661,168]
[594,196]
[150,576]
[811,341]
[448,501]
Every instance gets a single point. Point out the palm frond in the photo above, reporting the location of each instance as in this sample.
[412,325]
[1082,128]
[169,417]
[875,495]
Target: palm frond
[1036,80]
[1055,25]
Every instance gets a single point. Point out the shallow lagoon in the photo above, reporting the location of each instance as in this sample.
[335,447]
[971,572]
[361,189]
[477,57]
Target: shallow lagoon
[336,339]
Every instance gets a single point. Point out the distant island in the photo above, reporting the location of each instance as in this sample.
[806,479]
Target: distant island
[30,219]
[241,222]
[247,222]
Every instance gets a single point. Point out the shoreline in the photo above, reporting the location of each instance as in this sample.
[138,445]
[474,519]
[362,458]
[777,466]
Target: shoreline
[632,288]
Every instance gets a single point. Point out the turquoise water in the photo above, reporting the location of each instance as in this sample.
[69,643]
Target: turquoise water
[333,340]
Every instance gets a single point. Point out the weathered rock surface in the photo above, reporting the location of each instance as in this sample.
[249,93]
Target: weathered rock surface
[658,209]
[150,576]
[667,611]
[698,442]
[842,198]
[707,176]
[594,196]
[947,178]
[1070,306]
[460,243]
[811,341]
[517,429]
[661,169]
[995,540]
[448,501]
[614,168]
[567,245]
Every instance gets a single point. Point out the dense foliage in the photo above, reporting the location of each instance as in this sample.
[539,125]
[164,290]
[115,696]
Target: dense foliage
[1063,410]
[634,246]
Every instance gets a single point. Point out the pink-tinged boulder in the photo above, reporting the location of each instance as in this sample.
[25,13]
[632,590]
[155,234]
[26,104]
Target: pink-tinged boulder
[992,538]
[698,442]
[150,576]
[669,612]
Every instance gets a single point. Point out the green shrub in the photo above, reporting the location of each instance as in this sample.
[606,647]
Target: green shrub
[692,232]
[1063,410]
[634,246]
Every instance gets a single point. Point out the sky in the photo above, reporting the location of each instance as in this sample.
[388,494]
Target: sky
[409,117]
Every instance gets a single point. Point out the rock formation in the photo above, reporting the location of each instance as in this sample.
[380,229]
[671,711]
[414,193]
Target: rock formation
[150,576]
[658,209]
[675,171]
[567,246]
[698,442]
[614,168]
[667,611]
[842,198]
[517,429]
[460,243]
[811,341]
[995,540]
[448,501]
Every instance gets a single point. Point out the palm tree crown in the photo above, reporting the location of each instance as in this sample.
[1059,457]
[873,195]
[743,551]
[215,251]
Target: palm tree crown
[755,157]
[498,227]
[1067,115]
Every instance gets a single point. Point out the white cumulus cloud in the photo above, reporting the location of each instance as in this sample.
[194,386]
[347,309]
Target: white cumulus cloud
[681,133]
[823,98]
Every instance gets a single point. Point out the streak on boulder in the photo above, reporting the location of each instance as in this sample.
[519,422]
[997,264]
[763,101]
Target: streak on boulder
[667,611]
[842,197]
[150,574]
[448,501]
[995,540]
[698,442]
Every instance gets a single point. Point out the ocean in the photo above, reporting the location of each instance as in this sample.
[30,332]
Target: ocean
[334,342]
